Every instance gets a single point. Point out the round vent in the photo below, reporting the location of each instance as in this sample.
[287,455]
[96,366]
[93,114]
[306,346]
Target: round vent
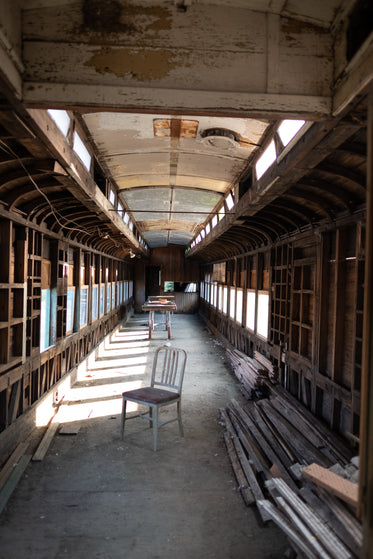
[219,138]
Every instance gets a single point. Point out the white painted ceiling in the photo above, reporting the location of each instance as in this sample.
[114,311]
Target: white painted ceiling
[169,175]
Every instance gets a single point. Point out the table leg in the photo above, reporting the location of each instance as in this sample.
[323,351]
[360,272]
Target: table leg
[168,324]
[151,323]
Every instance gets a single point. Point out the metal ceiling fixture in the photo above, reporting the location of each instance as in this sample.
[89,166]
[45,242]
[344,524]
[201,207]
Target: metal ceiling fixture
[220,138]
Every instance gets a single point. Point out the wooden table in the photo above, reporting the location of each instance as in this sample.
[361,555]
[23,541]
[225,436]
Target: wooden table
[154,305]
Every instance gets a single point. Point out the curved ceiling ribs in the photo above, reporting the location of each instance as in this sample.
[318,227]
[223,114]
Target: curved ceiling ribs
[323,193]
[31,187]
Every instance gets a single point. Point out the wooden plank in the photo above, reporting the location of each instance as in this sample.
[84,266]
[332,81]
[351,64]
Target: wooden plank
[302,529]
[339,486]
[274,442]
[328,516]
[320,530]
[11,463]
[297,421]
[248,471]
[13,480]
[238,472]
[283,523]
[305,452]
[69,429]
[350,523]
[259,461]
[335,444]
[45,442]
[269,452]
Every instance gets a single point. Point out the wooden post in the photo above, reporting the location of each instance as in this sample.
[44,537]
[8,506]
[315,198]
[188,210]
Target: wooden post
[366,417]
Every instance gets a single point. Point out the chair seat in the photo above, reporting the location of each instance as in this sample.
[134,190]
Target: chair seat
[151,395]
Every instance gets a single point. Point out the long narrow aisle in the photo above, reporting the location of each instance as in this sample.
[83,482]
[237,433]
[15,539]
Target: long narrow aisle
[96,496]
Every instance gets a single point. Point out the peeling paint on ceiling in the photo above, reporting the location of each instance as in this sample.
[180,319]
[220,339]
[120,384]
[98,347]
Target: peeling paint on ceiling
[167,175]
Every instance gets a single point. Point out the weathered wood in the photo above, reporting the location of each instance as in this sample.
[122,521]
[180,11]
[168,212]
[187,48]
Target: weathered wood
[283,523]
[334,522]
[298,422]
[238,471]
[11,463]
[350,523]
[269,452]
[339,486]
[247,469]
[305,452]
[259,461]
[45,442]
[302,529]
[339,447]
[328,539]
[274,442]
[13,480]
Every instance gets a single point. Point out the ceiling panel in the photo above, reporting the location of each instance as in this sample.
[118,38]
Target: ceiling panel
[172,171]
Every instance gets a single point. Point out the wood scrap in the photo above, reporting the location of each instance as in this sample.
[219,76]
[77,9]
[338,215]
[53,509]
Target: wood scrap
[302,529]
[337,485]
[67,429]
[249,372]
[13,480]
[320,531]
[238,472]
[350,522]
[253,451]
[246,467]
[12,462]
[268,365]
[45,442]
[275,441]
[283,523]
[306,453]
[327,515]
[259,437]
[260,426]
[335,444]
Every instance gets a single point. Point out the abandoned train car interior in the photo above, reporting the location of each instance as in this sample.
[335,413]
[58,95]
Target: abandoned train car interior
[219,152]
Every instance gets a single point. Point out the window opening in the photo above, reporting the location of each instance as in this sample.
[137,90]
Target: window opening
[265,160]
[288,129]
[250,310]
[61,119]
[239,303]
[262,316]
[230,202]
[111,197]
[81,151]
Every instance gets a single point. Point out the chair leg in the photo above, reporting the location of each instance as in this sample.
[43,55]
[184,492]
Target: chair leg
[151,417]
[181,429]
[123,419]
[155,428]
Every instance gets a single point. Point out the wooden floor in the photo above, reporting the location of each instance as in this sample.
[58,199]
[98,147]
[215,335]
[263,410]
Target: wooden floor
[94,495]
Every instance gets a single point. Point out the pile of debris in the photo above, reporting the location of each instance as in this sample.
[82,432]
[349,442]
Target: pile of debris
[252,372]
[300,474]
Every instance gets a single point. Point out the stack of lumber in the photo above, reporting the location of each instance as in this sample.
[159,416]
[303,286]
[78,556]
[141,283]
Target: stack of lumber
[268,365]
[284,461]
[251,372]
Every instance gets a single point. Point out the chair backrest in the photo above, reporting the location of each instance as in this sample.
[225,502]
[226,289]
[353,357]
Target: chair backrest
[168,368]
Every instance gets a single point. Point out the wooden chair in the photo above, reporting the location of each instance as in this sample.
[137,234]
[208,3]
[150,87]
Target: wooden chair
[165,389]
